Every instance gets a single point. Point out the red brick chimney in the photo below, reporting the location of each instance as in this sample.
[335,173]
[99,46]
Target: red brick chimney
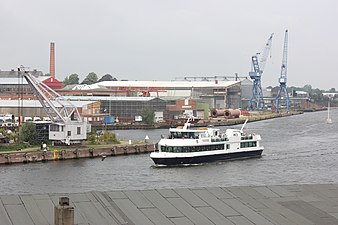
[52,60]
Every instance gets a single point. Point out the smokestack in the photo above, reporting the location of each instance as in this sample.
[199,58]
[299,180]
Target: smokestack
[52,60]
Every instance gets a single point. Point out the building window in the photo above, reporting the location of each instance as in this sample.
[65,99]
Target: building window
[69,133]
[78,130]
[54,127]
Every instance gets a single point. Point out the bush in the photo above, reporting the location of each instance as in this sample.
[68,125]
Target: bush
[28,133]
[108,138]
[13,147]
[91,138]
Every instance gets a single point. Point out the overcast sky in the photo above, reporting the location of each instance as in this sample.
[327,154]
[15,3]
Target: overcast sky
[161,40]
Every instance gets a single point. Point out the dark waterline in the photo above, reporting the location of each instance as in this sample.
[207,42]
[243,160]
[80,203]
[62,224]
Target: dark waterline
[298,149]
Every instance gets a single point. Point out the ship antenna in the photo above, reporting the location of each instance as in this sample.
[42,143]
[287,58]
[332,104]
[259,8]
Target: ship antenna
[244,125]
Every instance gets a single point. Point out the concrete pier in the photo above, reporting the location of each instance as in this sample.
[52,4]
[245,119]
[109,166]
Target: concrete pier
[307,204]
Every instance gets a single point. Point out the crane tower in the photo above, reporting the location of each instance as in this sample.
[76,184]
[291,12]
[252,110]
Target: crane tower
[282,78]
[257,101]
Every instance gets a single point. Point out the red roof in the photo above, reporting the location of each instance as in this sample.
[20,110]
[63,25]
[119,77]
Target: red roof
[53,83]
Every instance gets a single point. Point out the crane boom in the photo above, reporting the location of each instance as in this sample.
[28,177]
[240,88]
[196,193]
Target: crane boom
[265,54]
[46,95]
[50,109]
[285,58]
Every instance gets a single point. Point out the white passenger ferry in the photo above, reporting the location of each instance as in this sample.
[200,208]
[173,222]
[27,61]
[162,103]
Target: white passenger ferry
[186,146]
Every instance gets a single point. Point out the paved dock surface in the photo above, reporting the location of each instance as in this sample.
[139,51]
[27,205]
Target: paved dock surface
[260,205]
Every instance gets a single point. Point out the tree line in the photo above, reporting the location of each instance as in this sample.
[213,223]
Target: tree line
[315,94]
[91,78]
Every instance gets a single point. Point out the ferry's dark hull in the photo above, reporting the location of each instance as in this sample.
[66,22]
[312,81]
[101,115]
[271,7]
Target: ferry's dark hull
[206,159]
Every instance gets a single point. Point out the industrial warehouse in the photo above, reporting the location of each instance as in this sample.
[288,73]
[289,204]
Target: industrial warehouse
[171,98]
[126,99]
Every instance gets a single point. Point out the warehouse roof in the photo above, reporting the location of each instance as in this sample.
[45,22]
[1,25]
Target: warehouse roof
[108,98]
[16,80]
[14,73]
[155,83]
[36,103]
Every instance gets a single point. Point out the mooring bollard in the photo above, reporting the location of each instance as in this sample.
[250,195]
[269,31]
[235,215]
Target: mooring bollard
[8,157]
[63,213]
[76,153]
[62,154]
[44,158]
[113,151]
[91,152]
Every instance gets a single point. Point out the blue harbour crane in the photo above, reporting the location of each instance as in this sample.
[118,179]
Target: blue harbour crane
[257,101]
[283,78]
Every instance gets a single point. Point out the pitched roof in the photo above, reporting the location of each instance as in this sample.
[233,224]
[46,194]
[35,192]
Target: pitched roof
[14,73]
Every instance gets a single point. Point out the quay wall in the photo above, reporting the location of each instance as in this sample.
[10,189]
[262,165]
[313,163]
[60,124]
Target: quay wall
[217,121]
[73,153]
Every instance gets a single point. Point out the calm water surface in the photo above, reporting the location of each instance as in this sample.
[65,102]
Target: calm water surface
[298,149]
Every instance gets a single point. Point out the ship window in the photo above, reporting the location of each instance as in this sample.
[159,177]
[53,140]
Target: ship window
[179,149]
[248,144]
[176,149]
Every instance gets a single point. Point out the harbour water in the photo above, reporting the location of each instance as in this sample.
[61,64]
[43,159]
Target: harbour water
[298,150]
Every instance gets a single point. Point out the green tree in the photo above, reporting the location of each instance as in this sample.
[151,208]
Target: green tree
[107,77]
[71,79]
[108,138]
[91,78]
[307,88]
[332,90]
[28,133]
[148,116]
